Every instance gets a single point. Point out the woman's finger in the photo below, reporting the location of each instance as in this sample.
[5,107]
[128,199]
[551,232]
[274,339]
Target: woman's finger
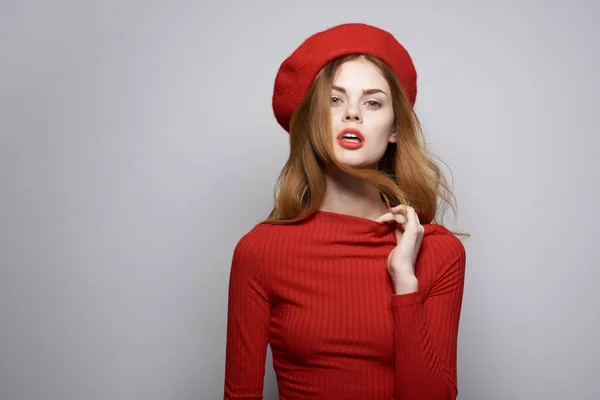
[414,221]
[402,209]
[387,217]
[399,208]
[413,218]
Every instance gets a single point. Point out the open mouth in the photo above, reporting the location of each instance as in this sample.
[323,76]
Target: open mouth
[351,138]
[352,135]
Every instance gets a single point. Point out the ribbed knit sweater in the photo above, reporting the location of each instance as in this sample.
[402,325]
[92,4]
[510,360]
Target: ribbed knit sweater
[320,294]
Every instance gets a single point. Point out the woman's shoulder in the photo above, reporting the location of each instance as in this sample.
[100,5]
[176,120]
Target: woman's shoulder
[248,252]
[255,236]
[253,242]
[447,248]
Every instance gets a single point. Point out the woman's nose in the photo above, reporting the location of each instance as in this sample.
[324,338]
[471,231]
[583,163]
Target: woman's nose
[352,114]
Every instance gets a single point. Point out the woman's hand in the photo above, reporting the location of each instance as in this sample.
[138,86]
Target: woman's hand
[402,258]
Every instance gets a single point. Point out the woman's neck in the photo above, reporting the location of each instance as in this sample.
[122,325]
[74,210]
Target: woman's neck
[347,195]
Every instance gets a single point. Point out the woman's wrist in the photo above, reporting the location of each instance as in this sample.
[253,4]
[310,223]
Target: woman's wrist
[404,284]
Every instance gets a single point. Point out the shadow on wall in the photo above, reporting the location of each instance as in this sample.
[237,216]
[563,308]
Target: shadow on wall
[270,388]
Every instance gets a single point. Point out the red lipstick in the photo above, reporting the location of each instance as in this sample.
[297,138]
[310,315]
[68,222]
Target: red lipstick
[351,139]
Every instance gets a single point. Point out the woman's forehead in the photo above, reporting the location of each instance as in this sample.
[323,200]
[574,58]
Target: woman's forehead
[359,75]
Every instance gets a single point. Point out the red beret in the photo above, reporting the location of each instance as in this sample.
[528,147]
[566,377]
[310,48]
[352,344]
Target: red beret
[298,71]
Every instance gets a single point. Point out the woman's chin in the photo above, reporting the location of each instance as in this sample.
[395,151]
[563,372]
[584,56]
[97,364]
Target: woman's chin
[361,164]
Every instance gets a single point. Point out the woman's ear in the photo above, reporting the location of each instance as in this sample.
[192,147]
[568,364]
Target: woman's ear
[393,138]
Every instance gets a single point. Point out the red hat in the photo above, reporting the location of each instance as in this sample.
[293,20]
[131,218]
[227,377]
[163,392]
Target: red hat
[297,72]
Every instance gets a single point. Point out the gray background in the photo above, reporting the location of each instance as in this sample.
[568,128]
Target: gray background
[137,145]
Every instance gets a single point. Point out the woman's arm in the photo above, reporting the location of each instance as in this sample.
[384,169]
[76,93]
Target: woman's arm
[247,323]
[426,329]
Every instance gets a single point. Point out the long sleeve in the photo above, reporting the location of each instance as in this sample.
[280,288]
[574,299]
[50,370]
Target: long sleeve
[426,328]
[247,323]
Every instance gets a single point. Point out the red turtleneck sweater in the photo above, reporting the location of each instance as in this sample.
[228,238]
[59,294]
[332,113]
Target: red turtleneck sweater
[320,294]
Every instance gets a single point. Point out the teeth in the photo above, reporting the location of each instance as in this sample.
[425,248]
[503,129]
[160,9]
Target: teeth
[350,136]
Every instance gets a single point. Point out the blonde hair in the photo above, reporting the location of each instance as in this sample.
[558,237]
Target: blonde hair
[407,172]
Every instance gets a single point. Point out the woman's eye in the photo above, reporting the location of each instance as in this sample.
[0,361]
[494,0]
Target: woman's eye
[374,103]
[335,100]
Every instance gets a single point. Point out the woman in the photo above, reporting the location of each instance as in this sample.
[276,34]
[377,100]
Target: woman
[354,286]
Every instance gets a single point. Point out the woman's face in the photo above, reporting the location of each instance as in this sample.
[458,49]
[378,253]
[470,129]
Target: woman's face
[362,116]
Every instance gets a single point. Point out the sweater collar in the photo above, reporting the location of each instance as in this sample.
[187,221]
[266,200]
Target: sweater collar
[350,225]
[332,223]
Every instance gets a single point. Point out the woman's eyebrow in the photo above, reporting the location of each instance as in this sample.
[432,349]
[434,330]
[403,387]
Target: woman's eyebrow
[365,91]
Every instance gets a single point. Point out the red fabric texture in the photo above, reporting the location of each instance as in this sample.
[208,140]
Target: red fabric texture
[297,72]
[320,294]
